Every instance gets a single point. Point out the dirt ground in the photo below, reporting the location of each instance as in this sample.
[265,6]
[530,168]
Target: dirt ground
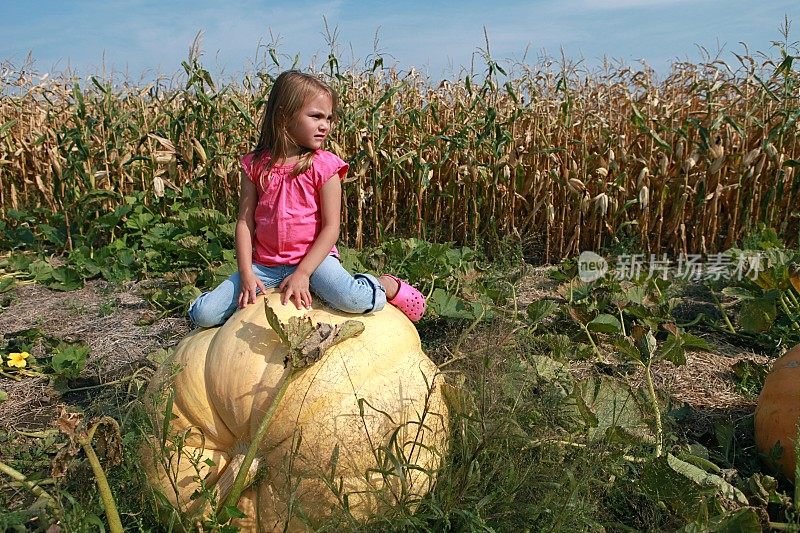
[115,322]
[122,332]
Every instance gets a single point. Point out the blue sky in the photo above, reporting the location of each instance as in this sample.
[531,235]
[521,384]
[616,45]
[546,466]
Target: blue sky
[144,38]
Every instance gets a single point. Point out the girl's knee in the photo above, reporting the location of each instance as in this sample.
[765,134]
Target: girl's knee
[214,307]
[203,315]
[363,294]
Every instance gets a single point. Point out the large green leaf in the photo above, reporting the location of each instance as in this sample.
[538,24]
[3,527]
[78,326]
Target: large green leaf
[540,309]
[65,278]
[680,484]
[740,293]
[610,408]
[6,284]
[645,342]
[69,360]
[42,271]
[605,323]
[625,349]
[549,369]
[693,342]
[276,325]
[350,260]
[757,315]
[740,521]
[635,294]
[448,305]
[672,350]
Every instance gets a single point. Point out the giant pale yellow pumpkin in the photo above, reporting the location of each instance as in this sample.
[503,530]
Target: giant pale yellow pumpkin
[778,410]
[365,425]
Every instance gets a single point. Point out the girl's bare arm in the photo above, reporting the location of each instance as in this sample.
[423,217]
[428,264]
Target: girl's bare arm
[296,286]
[245,232]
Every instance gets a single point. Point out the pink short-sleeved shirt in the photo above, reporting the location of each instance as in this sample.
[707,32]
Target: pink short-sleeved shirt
[288,216]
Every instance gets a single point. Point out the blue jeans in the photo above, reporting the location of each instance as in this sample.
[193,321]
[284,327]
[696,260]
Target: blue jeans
[361,293]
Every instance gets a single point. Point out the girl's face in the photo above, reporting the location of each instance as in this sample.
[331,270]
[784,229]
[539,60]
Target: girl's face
[312,123]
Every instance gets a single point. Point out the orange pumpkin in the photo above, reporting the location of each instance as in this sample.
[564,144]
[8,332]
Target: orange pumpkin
[779,409]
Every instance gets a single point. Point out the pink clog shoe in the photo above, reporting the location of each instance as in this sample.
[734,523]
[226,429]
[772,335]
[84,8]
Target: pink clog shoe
[409,300]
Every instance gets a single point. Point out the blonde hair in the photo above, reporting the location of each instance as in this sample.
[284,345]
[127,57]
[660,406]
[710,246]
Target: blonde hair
[289,93]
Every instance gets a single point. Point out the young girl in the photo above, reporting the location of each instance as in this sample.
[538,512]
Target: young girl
[289,210]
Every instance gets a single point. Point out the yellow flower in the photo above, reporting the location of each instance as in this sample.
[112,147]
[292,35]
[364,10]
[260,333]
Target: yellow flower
[17,359]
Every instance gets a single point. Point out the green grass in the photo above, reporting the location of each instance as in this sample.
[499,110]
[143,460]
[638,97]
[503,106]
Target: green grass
[532,446]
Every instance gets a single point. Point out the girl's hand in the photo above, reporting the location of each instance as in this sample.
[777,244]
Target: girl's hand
[294,288]
[247,290]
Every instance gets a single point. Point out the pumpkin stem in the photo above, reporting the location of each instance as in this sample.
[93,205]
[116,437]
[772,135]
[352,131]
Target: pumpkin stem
[239,483]
[724,313]
[114,522]
[591,340]
[228,478]
[304,349]
[30,485]
[656,409]
[789,314]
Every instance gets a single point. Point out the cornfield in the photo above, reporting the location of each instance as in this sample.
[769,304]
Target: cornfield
[558,158]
